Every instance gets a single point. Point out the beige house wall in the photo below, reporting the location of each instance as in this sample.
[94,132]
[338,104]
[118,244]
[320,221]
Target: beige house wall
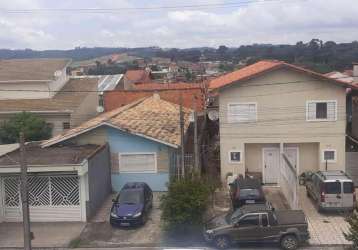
[86,111]
[8,90]
[281,98]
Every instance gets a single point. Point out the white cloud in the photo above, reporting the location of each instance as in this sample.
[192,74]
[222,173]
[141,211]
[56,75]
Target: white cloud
[270,22]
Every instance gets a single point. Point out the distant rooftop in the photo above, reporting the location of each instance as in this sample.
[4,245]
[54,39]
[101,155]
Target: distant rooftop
[109,82]
[30,69]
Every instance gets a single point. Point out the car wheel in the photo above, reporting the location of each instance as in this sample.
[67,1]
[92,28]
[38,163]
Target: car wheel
[289,242]
[222,242]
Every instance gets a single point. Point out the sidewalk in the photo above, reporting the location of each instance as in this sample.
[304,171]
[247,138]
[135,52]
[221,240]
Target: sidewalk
[59,234]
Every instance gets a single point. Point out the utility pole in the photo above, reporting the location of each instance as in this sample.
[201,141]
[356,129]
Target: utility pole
[181,118]
[24,195]
[196,151]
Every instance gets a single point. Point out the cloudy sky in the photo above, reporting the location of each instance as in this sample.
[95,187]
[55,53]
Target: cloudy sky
[244,22]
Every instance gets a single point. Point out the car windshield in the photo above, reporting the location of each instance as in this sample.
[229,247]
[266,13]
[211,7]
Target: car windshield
[131,197]
[249,193]
[233,216]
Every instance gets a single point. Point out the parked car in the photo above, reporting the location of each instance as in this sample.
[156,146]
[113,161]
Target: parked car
[246,191]
[132,205]
[258,223]
[331,190]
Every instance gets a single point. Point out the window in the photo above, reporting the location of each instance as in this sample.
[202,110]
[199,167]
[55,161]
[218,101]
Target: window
[234,156]
[329,155]
[332,187]
[348,187]
[264,220]
[66,125]
[242,112]
[321,111]
[138,162]
[249,220]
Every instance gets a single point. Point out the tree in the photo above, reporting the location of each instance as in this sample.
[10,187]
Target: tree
[352,234]
[34,128]
[185,203]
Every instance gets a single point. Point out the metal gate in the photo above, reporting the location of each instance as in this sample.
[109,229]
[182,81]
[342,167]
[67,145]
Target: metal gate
[289,176]
[51,198]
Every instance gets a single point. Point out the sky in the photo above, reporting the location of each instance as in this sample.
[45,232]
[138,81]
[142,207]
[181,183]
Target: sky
[235,23]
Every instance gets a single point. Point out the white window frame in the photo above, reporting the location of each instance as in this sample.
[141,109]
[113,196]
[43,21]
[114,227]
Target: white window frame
[230,120]
[321,120]
[329,161]
[235,151]
[138,153]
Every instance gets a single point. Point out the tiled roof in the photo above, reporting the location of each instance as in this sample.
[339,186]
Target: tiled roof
[157,86]
[140,75]
[150,117]
[30,69]
[52,156]
[261,67]
[119,98]
[69,98]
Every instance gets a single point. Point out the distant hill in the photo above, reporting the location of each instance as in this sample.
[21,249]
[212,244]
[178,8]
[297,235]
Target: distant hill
[315,54]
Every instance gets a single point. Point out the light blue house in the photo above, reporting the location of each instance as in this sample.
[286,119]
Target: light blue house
[144,140]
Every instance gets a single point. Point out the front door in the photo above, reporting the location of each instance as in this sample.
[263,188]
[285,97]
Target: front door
[271,163]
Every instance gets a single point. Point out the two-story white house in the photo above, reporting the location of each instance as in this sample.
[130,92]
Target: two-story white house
[278,120]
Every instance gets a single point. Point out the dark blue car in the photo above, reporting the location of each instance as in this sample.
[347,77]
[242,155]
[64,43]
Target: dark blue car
[132,205]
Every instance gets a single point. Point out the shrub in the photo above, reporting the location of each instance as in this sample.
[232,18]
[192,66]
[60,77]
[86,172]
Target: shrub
[352,234]
[185,203]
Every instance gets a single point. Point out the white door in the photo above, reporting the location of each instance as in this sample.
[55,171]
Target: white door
[271,160]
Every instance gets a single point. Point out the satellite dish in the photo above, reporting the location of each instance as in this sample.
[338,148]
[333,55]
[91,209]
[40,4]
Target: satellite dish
[213,115]
[100,109]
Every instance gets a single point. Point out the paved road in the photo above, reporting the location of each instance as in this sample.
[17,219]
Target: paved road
[163,248]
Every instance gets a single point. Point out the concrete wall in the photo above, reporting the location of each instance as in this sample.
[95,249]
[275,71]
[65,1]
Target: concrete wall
[59,82]
[87,110]
[281,116]
[40,87]
[99,180]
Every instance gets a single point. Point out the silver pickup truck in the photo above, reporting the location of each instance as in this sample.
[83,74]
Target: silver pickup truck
[257,223]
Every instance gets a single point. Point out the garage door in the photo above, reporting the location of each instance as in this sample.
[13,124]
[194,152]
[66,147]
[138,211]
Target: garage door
[51,198]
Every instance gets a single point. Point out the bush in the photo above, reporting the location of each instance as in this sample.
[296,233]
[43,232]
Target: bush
[352,234]
[185,203]
[34,128]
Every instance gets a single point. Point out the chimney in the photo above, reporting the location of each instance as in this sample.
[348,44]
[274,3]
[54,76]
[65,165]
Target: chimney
[156,96]
[355,72]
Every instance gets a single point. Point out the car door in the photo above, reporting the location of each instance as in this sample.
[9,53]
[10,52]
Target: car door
[347,194]
[267,230]
[247,228]
[333,194]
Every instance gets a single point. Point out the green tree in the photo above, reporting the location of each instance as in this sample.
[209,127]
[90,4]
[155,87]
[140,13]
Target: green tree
[34,128]
[185,203]
[352,234]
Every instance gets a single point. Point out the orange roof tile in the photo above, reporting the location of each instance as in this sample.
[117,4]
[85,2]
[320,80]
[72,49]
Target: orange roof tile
[261,67]
[158,86]
[140,75]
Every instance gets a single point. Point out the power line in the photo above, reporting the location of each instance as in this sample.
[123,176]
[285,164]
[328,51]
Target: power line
[153,8]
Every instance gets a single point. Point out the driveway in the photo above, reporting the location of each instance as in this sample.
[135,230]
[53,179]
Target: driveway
[325,229]
[99,233]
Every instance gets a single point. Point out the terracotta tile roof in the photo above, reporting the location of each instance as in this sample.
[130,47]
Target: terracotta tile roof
[150,117]
[261,67]
[157,86]
[52,156]
[65,100]
[140,75]
[119,98]
[30,69]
